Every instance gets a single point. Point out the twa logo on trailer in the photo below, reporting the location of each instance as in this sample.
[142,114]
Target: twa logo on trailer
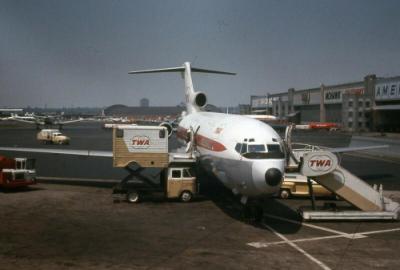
[140,142]
[319,163]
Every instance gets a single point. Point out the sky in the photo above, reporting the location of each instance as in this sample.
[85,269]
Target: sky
[71,53]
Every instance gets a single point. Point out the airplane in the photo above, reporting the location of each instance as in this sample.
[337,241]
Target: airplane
[246,155]
[38,120]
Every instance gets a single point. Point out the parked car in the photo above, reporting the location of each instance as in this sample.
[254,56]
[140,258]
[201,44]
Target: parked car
[296,185]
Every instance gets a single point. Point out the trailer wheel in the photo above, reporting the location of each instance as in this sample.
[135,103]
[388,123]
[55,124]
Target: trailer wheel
[284,194]
[132,196]
[186,196]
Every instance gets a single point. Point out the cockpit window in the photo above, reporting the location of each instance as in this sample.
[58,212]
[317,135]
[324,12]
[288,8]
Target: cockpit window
[244,148]
[275,151]
[241,148]
[260,151]
[238,147]
[256,148]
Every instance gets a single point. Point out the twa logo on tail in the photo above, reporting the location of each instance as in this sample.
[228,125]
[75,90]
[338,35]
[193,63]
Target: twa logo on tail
[140,142]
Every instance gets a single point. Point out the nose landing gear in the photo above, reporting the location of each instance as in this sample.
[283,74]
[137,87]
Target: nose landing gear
[253,212]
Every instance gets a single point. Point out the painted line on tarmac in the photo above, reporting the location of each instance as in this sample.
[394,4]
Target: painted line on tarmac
[381,231]
[267,244]
[347,235]
[302,251]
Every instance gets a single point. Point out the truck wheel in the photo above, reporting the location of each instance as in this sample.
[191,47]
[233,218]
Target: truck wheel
[186,196]
[132,197]
[284,194]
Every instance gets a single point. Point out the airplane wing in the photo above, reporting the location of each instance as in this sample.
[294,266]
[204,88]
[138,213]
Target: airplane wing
[355,149]
[76,152]
[69,122]
[262,117]
[24,121]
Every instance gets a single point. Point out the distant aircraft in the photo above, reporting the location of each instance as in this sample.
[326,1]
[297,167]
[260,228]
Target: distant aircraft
[10,110]
[38,120]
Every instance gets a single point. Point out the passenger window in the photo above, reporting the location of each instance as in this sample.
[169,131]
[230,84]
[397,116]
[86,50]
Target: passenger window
[176,173]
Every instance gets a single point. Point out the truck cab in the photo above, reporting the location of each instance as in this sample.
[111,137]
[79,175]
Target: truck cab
[181,183]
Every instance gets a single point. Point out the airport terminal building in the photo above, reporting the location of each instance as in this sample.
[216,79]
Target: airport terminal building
[372,104]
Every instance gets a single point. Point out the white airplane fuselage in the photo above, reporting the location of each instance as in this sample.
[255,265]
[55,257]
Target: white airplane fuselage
[216,139]
[244,153]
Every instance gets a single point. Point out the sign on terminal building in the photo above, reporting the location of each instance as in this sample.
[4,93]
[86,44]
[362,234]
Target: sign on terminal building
[387,90]
[336,95]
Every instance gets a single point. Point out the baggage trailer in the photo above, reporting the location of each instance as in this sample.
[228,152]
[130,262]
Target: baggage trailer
[137,148]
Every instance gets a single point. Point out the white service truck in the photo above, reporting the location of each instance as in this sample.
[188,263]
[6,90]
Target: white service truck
[136,148]
[52,136]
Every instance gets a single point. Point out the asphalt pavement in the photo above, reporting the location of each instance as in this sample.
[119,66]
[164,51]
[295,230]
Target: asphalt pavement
[60,226]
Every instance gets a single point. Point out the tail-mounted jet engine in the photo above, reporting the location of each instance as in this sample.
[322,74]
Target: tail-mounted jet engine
[199,99]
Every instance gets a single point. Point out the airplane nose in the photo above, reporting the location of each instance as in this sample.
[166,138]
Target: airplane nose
[273,177]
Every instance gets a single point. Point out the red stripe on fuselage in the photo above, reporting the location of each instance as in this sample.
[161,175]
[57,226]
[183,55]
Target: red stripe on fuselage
[201,141]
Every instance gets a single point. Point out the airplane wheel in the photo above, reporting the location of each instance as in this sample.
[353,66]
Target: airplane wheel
[133,196]
[186,196]
[284,194]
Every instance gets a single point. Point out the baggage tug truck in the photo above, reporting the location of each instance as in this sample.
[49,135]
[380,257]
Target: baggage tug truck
[137,148]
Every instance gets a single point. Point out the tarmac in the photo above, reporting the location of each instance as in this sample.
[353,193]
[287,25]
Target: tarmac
[71,221]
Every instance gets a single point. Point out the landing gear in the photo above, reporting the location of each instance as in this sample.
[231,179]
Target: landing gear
[253,212]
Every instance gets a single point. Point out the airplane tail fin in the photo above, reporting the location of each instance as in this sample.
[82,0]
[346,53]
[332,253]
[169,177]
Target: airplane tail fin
[195,101]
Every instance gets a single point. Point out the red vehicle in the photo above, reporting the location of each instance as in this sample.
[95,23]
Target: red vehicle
[17,172]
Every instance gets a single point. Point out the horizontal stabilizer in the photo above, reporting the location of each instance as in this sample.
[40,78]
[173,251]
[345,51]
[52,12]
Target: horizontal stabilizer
[158,70]
[180,69]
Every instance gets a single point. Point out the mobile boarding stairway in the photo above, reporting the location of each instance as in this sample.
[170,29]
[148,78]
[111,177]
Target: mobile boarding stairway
[323,167]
